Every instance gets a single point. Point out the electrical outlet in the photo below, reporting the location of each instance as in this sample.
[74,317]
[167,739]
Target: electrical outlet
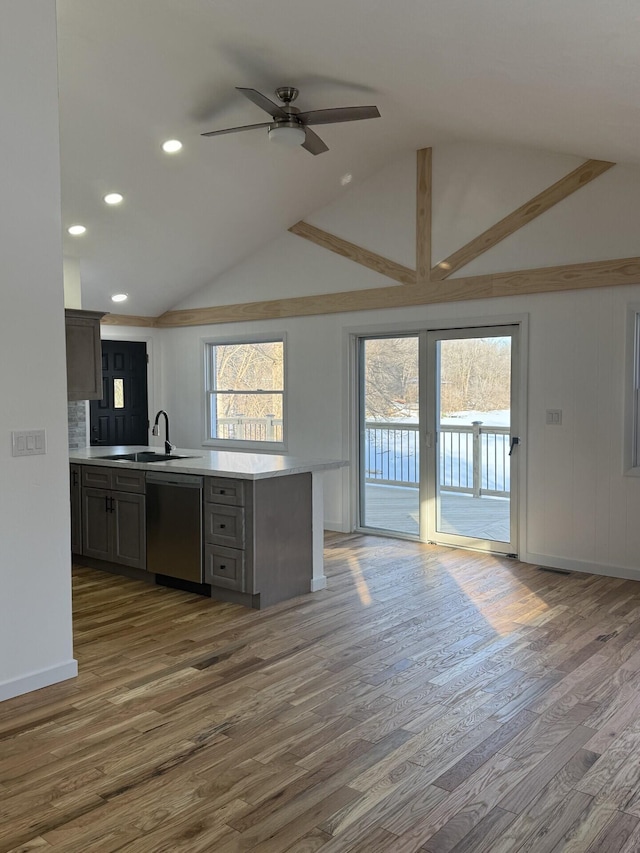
[554,417]
[28,442]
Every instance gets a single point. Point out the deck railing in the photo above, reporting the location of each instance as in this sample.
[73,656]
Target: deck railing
[240,428]
[474,459]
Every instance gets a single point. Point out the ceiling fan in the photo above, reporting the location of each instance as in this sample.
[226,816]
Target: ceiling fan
[289,126]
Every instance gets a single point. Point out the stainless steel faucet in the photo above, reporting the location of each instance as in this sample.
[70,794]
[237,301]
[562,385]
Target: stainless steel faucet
[168,447]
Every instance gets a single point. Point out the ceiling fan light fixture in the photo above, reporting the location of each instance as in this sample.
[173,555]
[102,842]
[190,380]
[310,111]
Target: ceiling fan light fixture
[288,135]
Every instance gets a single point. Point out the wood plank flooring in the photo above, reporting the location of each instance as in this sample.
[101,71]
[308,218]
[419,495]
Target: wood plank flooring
[429,700]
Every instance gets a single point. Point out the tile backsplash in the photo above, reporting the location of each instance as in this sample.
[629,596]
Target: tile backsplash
[77,417]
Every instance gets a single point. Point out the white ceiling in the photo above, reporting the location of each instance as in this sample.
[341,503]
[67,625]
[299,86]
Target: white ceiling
[563,75]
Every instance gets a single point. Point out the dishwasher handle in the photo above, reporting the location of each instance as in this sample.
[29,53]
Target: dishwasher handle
[189,481]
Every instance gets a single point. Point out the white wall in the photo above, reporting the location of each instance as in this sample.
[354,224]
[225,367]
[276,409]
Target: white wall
[581,510]
[35,558]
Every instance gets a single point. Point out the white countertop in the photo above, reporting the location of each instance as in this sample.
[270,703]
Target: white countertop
[243,466]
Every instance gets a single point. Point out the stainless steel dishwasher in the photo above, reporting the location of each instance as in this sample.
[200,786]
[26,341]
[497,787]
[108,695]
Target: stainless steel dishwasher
[174,525]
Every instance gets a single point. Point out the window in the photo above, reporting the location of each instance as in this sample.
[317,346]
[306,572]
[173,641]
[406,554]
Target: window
[245,391]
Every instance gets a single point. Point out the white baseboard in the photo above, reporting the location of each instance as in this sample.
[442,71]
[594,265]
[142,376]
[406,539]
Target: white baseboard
[36,680]
[552,562]
[336,526]
[318,583]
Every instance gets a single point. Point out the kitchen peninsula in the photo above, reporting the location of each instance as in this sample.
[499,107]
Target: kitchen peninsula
[241,527]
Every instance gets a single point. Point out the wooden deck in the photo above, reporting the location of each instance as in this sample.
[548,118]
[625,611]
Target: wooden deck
[396,508]
[429,700]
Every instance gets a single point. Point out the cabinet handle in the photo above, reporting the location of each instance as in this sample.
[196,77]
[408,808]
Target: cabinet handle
[222,492]
[222,526]
[106,503]
[111,504]
[222,567]
[75,478]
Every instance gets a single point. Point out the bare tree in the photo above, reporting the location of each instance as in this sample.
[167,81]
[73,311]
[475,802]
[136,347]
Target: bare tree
[391,376]
[249,367]
[475,374]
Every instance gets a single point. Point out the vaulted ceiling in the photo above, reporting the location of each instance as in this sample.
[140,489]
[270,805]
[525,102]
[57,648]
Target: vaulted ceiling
[562,76]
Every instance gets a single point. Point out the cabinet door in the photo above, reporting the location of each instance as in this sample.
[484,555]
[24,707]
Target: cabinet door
[96,523]
[76,510]
[129,541]
[84,356]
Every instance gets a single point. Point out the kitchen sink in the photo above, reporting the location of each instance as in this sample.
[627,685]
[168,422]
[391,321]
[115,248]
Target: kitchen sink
[146,456]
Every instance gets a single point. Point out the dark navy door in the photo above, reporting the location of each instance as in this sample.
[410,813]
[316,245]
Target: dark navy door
[121,417]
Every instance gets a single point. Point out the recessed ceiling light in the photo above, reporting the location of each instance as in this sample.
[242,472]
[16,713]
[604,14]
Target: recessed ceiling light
[76,230]
[171,146]
[113,198]
[119,297]
[346,179]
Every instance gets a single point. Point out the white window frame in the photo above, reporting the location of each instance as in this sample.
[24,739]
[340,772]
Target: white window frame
[242,444]
[631,460]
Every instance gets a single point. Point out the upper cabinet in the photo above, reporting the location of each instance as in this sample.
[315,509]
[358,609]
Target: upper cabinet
[84,354]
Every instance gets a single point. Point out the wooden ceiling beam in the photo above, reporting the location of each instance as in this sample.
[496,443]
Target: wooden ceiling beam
[361,256]
[549,197]
[423,286]
[547,279]
[127,320]
[423,216]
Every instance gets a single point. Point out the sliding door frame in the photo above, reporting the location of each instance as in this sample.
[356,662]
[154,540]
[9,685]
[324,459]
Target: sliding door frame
[352,404]
[430,489]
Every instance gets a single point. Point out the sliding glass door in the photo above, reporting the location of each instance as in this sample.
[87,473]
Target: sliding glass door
[390,434]
[472,436]
[441,464]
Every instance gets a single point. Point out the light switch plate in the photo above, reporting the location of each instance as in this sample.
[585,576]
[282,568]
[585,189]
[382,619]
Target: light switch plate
[28,442]
[554,417]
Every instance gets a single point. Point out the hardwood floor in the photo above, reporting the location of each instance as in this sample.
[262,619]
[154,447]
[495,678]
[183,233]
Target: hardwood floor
[428,700]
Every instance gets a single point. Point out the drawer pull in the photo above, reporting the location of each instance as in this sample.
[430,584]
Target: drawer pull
[222,567]
[222,526]
[222,492]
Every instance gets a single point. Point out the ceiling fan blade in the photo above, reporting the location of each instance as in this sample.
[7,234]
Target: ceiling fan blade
[338,114]
[263,102]
[313,143]
[236,129]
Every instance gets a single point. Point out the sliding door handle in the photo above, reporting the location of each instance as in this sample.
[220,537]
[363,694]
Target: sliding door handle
[514,442]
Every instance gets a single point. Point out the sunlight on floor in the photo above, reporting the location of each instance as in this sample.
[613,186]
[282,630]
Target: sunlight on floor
[361,585]
[537,610]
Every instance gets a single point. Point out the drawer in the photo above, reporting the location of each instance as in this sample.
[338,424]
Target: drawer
[95,477]
[224,525]
[119,479]
[224,567]
[128,480]
[222,490]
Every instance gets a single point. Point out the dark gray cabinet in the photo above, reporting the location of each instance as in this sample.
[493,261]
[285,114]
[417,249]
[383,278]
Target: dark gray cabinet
[257,535]
[258,547]
[224,534]
[113,515]
[84,354]
[76,509]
